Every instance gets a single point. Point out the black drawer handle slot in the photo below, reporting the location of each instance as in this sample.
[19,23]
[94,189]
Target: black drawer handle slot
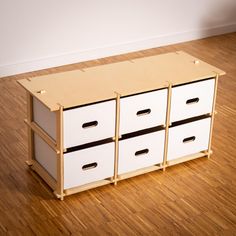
[192,101]
[142,152]
[143,112]
[189,139]
[90,124]
[90,166]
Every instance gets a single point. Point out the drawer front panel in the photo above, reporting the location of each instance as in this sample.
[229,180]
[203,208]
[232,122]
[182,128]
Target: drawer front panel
[90,123]
[140,152]
[88,165]
[192,100]
[188,139]
[143,111]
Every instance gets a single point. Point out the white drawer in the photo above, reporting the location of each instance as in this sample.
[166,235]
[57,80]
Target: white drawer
[192,100]
[143,111]
[81,125]
[188,139]
[89,123]
[140,152]
[88,165]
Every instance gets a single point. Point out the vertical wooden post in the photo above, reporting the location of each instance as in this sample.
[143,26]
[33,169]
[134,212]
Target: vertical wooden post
[212,116]
[117,135]
[29,130]
[60,156]
[167,125]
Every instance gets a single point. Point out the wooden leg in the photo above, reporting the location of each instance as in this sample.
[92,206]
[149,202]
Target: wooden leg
[167,127]
[29,162]
[60,156]
[212,116]
[117,138]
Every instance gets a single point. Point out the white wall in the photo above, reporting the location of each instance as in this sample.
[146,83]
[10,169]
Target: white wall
[37,34]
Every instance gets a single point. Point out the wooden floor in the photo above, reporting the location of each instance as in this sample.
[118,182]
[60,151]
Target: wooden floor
[195,198]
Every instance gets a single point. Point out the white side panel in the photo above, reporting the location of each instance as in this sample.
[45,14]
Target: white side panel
[155,102]
[45,156]
[44,118]
[198,130]
[102,156]
[129,148]
[202,92]
[74,119]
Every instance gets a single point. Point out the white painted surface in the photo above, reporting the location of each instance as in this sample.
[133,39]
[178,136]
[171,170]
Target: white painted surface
[128,161]
[103,113]
[45,156]
[129,106]
[74,175]
[44,118]
[43,34]
[199,129]
[74,133]
[203,91]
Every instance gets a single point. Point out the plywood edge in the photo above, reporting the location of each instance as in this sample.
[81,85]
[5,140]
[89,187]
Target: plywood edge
[116,138]
[187,158]
[195,79]
[44,174]
[60,155]
[219,72]
[49,91]
[43,98]
[139,172]
[215,70]
[160,86]
[89,102]
[40,132]
[21,82]
[167,124]
[86,187]
[47,99]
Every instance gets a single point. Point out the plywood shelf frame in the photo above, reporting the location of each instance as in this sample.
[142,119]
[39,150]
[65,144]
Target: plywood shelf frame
[44,174]
[167,125]
[188,158]
[86,187]
[139,172]
[213,114]
[60,155]
[34,127]
[29,129]
[145,75]
[117,135]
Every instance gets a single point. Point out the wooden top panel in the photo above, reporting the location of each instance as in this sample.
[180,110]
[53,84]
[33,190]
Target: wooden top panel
[178,67]
[101,83]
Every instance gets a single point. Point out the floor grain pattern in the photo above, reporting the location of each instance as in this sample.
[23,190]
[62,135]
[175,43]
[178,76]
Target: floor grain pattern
[194,198]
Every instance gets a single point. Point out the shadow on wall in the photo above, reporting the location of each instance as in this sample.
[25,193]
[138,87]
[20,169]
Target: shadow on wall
[221,19]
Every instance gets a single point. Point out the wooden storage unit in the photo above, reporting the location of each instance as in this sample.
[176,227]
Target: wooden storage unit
[107,123]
